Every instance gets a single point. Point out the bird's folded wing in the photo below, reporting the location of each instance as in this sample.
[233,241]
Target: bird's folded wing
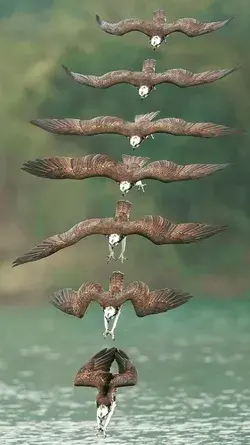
[75,168]
[185,78]
[105,81]
[69,126]
[192,27]
[125,26]
[127,375]
[76,302]
[180,127]
[95,372]
[55,243]
[167,171]
[147,303]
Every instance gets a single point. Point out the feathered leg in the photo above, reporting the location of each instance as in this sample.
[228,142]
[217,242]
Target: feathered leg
[111,254]
[123,243]
[112,332]
[106,326]
[140,186]
[108,418]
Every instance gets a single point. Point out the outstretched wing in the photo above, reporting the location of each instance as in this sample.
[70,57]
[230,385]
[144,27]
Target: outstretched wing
[90,127]
[95,373]
[75,168]
[155,302]
[125,26]
[184,78]
[107,80]
[127,375]
[167,171]
[76,302]
[55,243]
[162,231]
[192,27]
[179,127]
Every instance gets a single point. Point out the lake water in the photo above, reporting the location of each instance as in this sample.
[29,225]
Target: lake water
[193,365]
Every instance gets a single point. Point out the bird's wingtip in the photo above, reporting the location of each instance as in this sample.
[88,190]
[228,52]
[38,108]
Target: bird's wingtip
[98,19]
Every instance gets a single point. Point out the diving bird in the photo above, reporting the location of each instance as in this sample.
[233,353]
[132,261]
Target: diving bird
[96,374]
[158,28]
[128,173]
[146,80]
[136,131]
[156,229]
[144,302]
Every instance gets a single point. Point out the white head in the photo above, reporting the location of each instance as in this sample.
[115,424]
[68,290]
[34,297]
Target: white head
[155,41]
[102,411]
[125,186]
[114,239]
[109,312]
[135,141]
[144,91]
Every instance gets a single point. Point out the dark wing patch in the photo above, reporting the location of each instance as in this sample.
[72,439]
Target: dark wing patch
[192,27]
[95,373]
[180,127]
[125,26]
[167,171]
[184,78]
[127,375]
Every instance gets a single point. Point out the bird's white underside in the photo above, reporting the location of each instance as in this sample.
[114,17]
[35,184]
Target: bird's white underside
[109,312]
[155,41]
[143,91]
[104,416]
[114,239]
[125,186]
[135,141]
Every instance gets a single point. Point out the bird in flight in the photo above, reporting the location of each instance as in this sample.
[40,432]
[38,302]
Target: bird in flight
[128,173]
[137,131]
[156,229]
[158,29]
[96,374]
[146,80]
[144,302]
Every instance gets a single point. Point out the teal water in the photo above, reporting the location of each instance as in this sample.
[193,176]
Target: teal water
[193,366]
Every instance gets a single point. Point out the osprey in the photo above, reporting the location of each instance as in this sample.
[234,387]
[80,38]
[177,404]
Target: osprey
[128,173]
[96,374]
[145,303]
[158,29]
[147,79]
[156,229]
[136,131]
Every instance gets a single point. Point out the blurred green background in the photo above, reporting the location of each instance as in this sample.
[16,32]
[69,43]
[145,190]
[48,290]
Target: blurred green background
[36,38]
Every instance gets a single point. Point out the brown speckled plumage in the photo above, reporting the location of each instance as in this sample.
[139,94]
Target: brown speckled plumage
[96,373]
[132,169]
[177,76]
[156,229]
[143,126]
[144,302]
[159,26]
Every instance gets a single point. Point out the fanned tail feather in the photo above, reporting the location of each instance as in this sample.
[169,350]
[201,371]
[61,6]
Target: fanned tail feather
[123,209]
[116,282]
[134,160]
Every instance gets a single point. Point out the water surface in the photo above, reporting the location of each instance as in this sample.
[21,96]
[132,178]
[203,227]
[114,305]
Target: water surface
[193,366]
